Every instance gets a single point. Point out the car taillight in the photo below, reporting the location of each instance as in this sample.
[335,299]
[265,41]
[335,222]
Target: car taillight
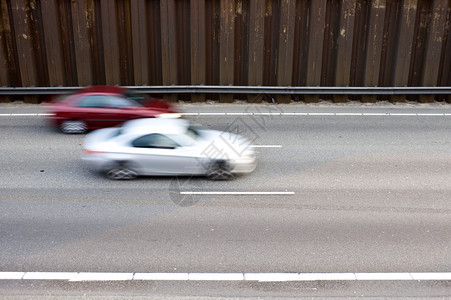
[87,151]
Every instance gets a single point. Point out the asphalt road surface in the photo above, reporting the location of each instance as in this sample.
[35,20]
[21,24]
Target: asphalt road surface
[348,189]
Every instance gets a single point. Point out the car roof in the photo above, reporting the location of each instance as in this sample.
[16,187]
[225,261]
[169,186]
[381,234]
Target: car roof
[155,125]
[73,98]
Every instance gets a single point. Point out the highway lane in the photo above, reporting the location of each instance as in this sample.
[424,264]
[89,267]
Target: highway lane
[371,194]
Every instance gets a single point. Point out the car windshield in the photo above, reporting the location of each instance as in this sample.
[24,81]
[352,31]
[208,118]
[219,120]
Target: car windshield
[116,133]
[193,133]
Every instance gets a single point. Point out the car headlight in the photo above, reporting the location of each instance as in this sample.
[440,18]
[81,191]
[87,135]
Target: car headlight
[170,116]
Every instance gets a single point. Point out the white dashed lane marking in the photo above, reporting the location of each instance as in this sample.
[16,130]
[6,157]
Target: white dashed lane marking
[265,146]
[237,193]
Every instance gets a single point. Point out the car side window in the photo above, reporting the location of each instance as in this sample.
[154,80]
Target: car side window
[105,101]
[94,101]
[155,140]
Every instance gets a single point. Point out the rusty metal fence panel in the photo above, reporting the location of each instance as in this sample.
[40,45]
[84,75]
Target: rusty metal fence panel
[312,43]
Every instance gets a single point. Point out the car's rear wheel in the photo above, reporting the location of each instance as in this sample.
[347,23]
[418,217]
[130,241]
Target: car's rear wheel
[220,170]
[121,171]
[73,126]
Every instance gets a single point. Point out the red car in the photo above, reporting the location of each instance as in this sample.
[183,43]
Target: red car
[103,106]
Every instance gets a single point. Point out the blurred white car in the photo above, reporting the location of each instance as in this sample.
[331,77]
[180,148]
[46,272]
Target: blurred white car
[161,147]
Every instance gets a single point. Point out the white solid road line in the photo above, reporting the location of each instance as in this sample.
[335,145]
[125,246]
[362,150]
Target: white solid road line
[322,114]
[11,275]
[431,276]
[237,193]
[19,115]
[161,276]
[268,277]
[268,114]
[93,276]
[207,114]
[259,277]
[349,114]
[49,275]
[383,276]
[26,115]
[216,276]
[431,115]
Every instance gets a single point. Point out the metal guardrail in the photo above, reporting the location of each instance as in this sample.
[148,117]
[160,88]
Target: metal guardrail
[219,89]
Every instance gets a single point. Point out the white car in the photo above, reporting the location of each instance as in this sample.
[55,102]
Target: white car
[162,147]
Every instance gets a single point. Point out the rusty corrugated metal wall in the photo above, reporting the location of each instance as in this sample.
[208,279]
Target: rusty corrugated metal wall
[226,42]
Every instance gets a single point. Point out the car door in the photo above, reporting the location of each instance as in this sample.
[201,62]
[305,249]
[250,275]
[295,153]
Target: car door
[98,112]
[124,109]
[158,154]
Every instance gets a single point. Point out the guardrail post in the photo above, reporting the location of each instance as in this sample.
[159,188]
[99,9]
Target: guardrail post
[404,51]
[318,21]
[398,98]
[139,44]
[81,43]
[227,46]
[373,58]
[24,43]
[345,39]
[436,32]
[286,47]
[198,47]
[3,71]
[256,46]
[169,45]
[50,32]
[110,42]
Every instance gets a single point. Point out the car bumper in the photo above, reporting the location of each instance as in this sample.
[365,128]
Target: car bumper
[54,120]
[95,162]
[244,165]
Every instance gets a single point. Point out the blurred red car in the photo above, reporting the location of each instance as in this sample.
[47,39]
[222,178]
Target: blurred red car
[103,106]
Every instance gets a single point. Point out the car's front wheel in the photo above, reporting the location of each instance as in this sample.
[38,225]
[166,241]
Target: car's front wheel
[220,170]
[73,126]
[121,171]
